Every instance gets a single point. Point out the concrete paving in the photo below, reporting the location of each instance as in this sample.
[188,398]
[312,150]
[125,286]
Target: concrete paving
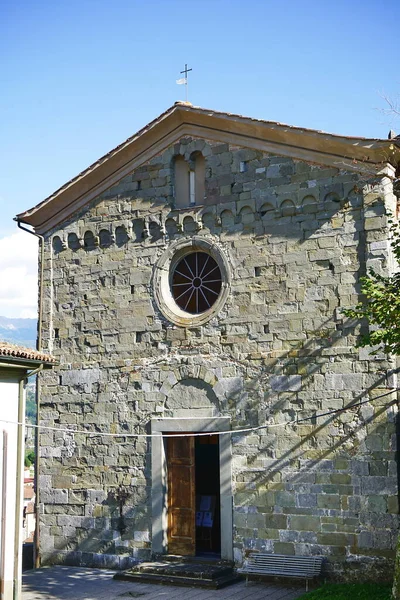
[74,583]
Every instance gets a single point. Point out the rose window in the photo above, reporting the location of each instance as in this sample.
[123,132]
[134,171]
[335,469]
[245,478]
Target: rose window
[196,282]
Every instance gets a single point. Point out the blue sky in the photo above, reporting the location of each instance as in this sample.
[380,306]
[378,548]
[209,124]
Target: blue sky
[79,77]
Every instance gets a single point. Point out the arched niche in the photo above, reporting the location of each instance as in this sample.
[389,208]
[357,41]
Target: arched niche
[155,231]
[246,217]
[267,211]
[73,242]
[138,227]
[121,236]
[309,204]
[57,244]
[189,225]
[89,240]
[227,218]
[208,220]
[333,202]
[104,238]
[287,208]
[171,227]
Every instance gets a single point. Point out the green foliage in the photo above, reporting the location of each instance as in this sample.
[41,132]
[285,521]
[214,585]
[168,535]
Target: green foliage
[29,458]
[381,307]
[396,579]
[355,591]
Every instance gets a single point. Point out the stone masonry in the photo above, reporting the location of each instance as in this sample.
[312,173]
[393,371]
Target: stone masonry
[296,238]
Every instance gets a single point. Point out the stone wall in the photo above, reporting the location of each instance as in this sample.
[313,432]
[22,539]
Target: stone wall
[296,237]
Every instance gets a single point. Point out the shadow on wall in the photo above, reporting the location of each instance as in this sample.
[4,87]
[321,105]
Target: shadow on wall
[326,486]
[286,218]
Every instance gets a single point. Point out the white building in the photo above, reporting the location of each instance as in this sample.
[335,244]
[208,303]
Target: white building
[16,365]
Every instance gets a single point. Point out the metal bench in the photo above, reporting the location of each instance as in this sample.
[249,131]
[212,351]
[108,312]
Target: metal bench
[281,565]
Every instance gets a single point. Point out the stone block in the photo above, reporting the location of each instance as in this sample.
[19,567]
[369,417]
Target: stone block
[306,500]
[334,539]
[305,523]
[344,382]
[328,501]
[379,485]
[365,539]
[138,277]
[285,383]
[49,496]
[176,334]
[62,481]
[228,387]
[276,521]
[284,499]
[284,548]
[81,377]
[375,223]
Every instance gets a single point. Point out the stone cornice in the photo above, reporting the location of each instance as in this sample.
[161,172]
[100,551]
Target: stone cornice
[358,154]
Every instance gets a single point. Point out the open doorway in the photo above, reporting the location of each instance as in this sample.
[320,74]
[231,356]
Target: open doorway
[174,484]
[208,512]
[194,513]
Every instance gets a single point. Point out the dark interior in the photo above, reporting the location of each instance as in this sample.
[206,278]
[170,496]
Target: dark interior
[208,538]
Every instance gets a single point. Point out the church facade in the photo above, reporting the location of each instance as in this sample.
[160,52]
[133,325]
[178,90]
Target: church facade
[210,397]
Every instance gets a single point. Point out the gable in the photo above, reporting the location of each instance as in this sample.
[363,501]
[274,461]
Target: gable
[184,120]
[238,184]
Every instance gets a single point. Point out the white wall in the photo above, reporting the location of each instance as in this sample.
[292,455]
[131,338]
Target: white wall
[8,482]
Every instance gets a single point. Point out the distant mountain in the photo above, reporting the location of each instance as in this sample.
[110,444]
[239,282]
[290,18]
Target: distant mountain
[18,331]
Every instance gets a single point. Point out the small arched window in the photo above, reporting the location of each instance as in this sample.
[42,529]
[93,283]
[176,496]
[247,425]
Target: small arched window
[197,178]
[189,179]
[181,173]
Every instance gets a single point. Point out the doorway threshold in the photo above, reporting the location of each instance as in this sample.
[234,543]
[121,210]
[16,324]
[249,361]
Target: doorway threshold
[200,557]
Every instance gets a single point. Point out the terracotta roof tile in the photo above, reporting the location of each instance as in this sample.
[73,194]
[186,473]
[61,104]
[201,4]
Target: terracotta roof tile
[19,352]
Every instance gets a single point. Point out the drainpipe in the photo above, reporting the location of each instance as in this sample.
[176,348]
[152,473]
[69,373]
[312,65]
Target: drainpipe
[41,242]
[36,549]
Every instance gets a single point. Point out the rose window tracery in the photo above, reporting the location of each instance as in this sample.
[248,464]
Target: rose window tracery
[196,282]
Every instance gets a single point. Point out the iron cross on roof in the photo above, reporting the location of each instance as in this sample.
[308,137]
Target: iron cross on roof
[186,71]
[185,79]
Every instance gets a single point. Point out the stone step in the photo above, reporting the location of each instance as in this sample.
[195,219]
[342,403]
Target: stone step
[195,569]
[214,583]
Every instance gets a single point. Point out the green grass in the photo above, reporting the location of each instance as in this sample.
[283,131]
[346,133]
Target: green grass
[350,591]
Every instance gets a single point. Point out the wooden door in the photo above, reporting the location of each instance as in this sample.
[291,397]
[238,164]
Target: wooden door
[181,496]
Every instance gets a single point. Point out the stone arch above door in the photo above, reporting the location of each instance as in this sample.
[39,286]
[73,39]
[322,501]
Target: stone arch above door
[189,388]
[192,394]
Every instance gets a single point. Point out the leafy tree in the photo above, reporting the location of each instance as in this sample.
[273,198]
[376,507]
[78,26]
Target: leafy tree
[381,306]
[29,458]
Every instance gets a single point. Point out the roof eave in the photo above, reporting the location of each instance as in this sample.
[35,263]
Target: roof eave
[182,119]
[25,363]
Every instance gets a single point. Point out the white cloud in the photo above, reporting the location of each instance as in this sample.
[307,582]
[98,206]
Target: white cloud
[18,275]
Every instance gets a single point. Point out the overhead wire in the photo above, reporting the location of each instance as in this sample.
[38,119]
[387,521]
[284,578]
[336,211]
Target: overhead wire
[249,429]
